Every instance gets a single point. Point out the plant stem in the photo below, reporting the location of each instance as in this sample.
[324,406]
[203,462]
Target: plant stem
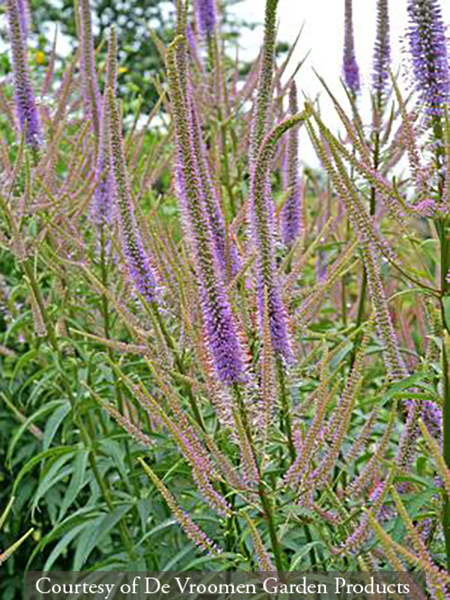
[372,210]
[445,380]
[178,362]
[106,329]
[268,513]
[441,229]
[265,501]
[285,417]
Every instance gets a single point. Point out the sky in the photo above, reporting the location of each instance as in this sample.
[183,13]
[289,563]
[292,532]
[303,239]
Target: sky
[323,36]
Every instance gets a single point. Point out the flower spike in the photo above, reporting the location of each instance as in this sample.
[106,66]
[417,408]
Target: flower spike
[25,102]
[350,66]
[133,247]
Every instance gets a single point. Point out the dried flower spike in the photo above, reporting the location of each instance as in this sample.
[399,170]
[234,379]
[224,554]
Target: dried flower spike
[91,91]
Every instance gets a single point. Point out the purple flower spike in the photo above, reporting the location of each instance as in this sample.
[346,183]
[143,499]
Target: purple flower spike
[133,248]
[24,14]
[382,54]
[428,47]
[206,14]
[268,288]
[351,69]
[221,333]
[291,216]
[226,252]
[103,198]
[24,97]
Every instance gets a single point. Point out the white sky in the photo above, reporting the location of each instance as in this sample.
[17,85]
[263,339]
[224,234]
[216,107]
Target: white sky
[323,36]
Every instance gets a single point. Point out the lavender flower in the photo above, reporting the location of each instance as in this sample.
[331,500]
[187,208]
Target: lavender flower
[428,47]
[426,208]
[24,13]
[226,252]
[104,191]
[291,216]
[382,54]
[268,289]
[221,334]
[377,498]
[26,110]
[350,67]
[206,14]
[88,71]
[133,247]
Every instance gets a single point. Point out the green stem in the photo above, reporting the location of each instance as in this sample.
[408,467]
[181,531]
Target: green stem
[106,328]
[178,363]
[372,210]
[312,553]
[446,449]
[265,500]
[441,229]
[285,416]
[445,263]
[268,513]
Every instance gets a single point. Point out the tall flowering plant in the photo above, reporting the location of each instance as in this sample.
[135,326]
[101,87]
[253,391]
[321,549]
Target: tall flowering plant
[223,353]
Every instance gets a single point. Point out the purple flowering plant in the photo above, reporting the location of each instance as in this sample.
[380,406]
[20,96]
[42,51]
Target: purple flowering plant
[210,354]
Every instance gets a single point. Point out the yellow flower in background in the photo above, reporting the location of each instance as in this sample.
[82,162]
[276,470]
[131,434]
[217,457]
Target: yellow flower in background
[122,70]
[39,57]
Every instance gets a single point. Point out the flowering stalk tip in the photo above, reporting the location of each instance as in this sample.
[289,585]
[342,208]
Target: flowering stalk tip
[102,207]
[207,17]
[291,216]
[25,102]
[220,329]
[382,53]
[428,48]
[350,67]
[136,258]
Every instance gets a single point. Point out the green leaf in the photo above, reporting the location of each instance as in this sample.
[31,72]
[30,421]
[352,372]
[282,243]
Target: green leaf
[413,505]
[54,474]
[51,453]
[91,538]
[76,483]
[84,515]
[54,422]
[338,358]
[224,556]
[171,522]
[179,556]
[63,544]
[43,410]
[446,303]
[300,554]
[404,384]
[23,360]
